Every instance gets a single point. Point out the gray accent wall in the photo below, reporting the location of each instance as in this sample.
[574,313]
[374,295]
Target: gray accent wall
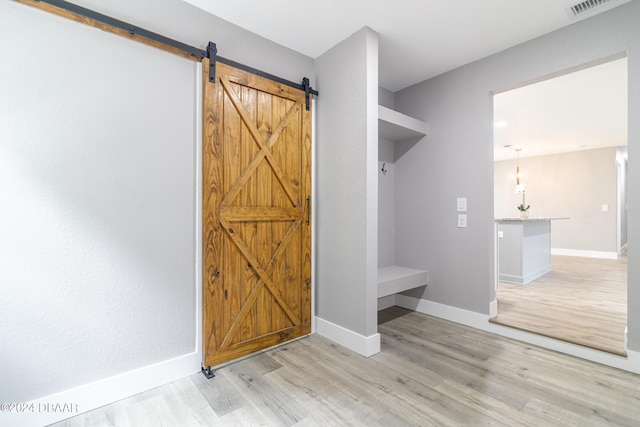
[386,184]
[99,190]
[456,158]
[347,187]
[386,204]
[386,98]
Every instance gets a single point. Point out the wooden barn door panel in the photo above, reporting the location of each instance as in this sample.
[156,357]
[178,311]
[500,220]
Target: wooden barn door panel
[256,219]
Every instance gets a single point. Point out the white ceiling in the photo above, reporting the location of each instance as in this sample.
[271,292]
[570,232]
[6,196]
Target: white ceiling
[419,39]
[583,110]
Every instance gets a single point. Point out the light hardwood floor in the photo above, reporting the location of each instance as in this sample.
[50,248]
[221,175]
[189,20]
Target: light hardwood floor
[429,372]
[582,301]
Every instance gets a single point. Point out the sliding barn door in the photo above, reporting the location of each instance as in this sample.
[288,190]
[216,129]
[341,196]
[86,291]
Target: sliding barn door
[256,218]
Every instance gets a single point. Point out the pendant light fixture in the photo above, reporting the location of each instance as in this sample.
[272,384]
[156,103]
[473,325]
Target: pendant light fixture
[520,184]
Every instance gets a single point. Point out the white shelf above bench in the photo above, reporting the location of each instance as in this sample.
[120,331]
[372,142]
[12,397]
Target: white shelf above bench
[395,126]
[394,279]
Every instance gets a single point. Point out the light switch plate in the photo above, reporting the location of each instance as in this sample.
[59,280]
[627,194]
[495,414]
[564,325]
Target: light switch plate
[462,221]
[605,208]
[462,204]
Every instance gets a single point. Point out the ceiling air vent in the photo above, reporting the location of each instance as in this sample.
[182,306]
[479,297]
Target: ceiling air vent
[586,6]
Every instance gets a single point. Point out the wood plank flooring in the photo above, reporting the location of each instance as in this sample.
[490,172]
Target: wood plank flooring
[430,372]
[582,301]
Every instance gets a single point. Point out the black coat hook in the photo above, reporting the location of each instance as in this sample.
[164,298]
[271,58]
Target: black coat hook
[384,171]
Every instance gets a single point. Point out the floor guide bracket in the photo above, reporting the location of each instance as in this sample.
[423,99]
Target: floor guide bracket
[207,372]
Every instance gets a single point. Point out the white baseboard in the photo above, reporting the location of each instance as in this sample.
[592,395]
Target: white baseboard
[480,321]
[634,361]
[458,315]
[522,280]
[493,309]
[366,346]
[585,254]
[100,393]
[626,329]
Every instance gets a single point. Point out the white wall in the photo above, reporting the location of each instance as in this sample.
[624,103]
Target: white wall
[573,185]
[347,159]
[456,159]
[98,200]
[97,228]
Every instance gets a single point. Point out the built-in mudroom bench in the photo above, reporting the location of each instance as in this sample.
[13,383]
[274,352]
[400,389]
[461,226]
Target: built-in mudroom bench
[394,279]
[397,132]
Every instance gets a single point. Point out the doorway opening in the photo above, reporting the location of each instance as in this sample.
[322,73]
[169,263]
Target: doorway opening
[560,157]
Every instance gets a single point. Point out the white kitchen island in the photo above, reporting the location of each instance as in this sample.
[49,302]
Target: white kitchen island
[524,248]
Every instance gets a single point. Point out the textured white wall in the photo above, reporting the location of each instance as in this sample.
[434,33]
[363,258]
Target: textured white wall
[456,158]
[97,214]
[346,256]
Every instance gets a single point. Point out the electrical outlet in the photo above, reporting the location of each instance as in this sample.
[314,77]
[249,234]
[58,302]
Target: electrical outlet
[462,221]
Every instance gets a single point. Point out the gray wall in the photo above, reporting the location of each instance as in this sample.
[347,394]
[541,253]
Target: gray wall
[574,185]
[386,198]
[98,190]
[386,98]
[621,159]
[347,159]
[456,158]
[386,204]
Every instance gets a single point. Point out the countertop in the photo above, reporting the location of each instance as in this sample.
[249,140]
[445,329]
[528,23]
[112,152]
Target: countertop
[533,218]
